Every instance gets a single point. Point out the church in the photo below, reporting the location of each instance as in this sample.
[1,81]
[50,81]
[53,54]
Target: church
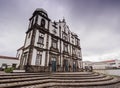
[49,46]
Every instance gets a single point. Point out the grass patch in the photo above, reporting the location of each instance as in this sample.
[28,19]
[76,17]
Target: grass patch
[9,70]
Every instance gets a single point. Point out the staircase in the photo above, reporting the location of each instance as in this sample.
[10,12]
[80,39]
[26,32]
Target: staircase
[58,80]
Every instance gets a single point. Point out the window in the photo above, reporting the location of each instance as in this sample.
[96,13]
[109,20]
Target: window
[53,59]
[54,31]
[42,23]
[64,36]
[25,58]
[73,50]
[60,27]
[41,40]
[38,58]
[112,63]
[54,43]
[65,47]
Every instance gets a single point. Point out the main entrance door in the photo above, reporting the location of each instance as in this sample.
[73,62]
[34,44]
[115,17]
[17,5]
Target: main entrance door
[53,64]
[66,65]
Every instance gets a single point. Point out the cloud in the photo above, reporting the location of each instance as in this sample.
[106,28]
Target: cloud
[95,21]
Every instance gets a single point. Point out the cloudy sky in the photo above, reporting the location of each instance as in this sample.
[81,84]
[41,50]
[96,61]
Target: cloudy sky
[97,23]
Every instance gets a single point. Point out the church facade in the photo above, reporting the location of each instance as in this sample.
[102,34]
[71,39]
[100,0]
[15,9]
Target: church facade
[50,46]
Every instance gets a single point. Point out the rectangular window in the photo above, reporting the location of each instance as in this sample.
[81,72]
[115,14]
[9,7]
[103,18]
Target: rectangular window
[38,58]
[73,50]
[65,36]
[54,43]
[25,58]
[65,47]
[40,40]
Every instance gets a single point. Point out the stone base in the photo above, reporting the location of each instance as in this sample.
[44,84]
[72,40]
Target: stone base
[32,68]
[35,68]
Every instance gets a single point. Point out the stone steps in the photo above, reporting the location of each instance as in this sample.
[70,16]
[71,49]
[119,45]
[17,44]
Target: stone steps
[52,82]
[26,76]
[75,75]
[47,77]
[10,76]
[55,84]
[56,80]
[15,74]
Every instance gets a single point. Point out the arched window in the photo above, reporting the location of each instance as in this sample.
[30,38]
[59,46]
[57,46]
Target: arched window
[42,23]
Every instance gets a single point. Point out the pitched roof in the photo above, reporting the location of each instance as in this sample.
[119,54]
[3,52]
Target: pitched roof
[8,57]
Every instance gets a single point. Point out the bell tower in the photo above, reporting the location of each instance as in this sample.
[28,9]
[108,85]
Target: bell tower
[39,22]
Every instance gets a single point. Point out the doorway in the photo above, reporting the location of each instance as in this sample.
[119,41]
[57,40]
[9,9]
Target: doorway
[53,64]
[66,65]
[74,66]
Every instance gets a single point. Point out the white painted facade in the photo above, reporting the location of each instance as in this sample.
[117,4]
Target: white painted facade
[46,40]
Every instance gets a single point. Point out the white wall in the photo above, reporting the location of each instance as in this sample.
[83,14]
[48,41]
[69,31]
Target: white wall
[36,38]
[109,71]
[8,61]
[99,66]
[34,56]
[28,40]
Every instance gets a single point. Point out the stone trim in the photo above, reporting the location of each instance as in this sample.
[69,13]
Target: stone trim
[31,47]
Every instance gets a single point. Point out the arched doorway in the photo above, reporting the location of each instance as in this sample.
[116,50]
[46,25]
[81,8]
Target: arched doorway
[66,65]
[53,62]
[74,66]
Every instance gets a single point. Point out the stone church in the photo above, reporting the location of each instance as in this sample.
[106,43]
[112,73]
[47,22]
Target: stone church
[50,46]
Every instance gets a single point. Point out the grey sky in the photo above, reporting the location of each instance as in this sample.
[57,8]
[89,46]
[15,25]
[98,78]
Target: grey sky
[97,22]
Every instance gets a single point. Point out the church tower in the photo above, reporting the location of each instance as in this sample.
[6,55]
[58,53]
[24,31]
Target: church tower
[36,41]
